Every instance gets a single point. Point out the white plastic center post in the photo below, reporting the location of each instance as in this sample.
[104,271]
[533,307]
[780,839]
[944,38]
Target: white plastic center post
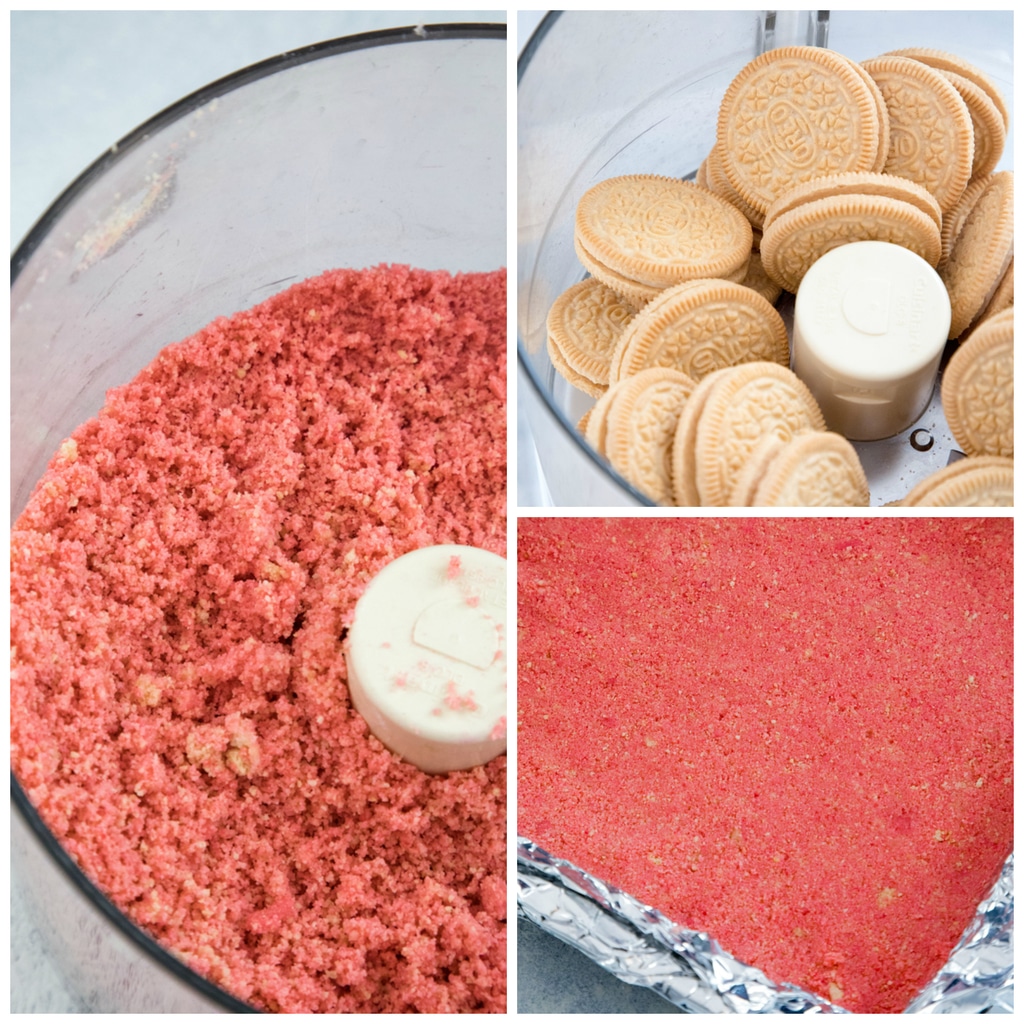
[427,657]
[870,323]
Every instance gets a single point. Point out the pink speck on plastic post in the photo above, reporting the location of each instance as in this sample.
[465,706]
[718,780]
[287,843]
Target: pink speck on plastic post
[460,701]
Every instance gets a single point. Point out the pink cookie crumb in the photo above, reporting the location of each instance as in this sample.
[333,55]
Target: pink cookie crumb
[454,567]
[460,701]
[274,917]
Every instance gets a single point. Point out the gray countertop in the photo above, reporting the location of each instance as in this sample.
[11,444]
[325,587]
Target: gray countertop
[79,82]
[554,978]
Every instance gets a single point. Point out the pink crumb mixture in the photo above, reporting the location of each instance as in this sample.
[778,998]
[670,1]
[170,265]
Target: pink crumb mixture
[795,735]
[182,579]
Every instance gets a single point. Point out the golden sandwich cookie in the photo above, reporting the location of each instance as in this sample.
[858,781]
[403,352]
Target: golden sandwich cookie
[931,140]
[660,231]
[699,327]
[795,113]
[983,481]
[977,389]
[981,253]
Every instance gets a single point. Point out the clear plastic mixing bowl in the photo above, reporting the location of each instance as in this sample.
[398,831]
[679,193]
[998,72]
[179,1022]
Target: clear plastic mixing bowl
[622,92]
[387,147]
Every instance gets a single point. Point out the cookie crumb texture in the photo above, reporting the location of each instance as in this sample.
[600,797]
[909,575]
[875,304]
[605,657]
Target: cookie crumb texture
[182,580]
[793,734]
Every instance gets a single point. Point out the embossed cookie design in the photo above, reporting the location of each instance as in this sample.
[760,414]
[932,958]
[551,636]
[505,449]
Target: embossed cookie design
[930,136]
[747,403]
[977,389]
[584,326]
[981,252]
[795,240]
[816,469]
[641,423]
[983,481]
[718,182]
[660,231]
[702,326]
[791,114]
[953,220]
[944,61]
[1002,299]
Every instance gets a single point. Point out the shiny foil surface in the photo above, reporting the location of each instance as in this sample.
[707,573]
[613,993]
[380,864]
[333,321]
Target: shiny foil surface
[641,946]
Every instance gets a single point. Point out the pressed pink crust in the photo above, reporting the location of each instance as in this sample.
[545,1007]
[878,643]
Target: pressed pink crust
[795,735]
[181,583]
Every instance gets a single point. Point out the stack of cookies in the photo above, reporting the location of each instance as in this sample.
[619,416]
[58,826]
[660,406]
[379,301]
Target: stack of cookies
[743,435]
[643,233]
[701,326]
[977,389]
[812,151]
[977,398]
[584,326]
[976,263]
[896,145]
[797,113]
[810,219]
[976,266]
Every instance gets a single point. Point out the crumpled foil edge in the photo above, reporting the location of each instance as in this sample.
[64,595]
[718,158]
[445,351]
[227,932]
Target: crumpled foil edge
[978,977]
[640,946]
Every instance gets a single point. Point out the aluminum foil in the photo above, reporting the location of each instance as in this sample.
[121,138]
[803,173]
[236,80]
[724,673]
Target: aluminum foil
[640,946]
[978,977]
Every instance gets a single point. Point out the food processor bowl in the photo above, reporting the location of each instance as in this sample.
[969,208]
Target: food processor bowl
[386,147]
[608,93]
